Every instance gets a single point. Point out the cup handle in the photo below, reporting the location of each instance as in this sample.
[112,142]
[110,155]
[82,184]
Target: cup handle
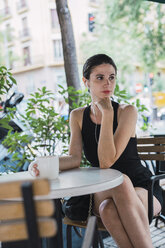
[30,168]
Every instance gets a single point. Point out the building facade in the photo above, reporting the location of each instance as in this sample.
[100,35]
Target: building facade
[31,40]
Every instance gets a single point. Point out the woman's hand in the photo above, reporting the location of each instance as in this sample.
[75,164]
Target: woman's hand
[104,105]
[35,170]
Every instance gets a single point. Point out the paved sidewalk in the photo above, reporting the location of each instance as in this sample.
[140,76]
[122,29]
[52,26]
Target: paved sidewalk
[157,234]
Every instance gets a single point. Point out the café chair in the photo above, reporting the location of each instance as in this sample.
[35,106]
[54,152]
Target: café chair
[151,150]
[24,220]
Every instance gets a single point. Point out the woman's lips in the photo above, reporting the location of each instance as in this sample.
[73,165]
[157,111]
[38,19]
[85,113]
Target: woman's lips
[106,91]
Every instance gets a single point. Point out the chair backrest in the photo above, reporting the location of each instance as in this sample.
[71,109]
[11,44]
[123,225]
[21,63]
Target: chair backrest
[23,217]
[152,148]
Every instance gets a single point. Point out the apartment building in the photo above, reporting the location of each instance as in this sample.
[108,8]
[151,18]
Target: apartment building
[31,43]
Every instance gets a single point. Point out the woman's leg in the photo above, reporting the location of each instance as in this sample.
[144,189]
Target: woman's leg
[132,214]
[143,196]
[113,223]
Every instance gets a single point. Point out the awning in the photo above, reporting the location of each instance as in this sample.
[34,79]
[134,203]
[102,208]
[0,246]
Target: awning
[158,1]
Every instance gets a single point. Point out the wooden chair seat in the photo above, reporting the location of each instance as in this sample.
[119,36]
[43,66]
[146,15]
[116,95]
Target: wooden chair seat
[83,224]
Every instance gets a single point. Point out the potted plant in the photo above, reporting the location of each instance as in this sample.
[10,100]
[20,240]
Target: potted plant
[47,129]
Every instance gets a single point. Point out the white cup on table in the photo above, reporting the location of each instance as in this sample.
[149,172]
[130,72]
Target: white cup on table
[48,167]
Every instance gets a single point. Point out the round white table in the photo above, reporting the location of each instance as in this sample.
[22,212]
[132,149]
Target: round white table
[79,181]
[82,181]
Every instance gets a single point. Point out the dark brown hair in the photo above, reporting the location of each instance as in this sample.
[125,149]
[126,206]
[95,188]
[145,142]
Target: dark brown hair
[96,60]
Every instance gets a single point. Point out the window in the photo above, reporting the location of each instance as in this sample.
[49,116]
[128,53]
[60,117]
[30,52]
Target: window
[26,56]
[11,59]
[22,3]
[58,52]
[6,7]
[25,30]
[6,4]
[8,33]
[54,19]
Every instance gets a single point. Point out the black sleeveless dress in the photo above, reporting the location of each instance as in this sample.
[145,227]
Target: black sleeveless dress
[129,161]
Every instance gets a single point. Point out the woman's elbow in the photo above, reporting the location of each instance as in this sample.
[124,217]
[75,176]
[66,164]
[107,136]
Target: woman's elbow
[104,164]
[77,162]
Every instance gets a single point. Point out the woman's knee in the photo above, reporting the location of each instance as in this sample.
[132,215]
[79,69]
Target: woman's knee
[108,213]
[127,184]
[106,207]
[124,190]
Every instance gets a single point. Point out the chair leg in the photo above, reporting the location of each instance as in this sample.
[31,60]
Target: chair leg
[16,244]
[96,239]
[160,217]
[156,222]
[100,240]
[69,236]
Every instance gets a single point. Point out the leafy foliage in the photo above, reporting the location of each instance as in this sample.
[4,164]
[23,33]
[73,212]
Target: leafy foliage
[46,127]
[6,80]
[132,32]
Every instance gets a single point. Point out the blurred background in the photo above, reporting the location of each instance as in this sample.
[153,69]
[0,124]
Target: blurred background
[131,32]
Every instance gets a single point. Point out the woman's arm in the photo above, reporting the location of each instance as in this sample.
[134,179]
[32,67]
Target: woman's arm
[73,160]
[110,146]
[75,149]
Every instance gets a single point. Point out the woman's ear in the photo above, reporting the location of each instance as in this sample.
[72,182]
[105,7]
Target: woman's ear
[85,82]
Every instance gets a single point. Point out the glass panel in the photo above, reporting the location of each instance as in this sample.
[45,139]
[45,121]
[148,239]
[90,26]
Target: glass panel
[26,56]
[58,52]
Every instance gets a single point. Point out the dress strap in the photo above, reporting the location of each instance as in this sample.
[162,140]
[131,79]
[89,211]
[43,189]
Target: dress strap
[115,106]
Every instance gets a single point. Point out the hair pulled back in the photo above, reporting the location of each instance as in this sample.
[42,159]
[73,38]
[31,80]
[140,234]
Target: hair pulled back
[96,60]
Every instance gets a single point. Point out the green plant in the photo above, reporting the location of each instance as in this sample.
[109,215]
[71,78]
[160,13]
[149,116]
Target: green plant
[6,81]
[45,126]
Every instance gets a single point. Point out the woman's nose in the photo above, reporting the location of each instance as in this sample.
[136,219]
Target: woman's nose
[108,81]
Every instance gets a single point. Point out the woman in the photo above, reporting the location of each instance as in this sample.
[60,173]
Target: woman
[106,132]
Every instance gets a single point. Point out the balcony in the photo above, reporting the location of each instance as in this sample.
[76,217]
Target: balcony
[34,63]
[5,13]
[25,35]
[22,6]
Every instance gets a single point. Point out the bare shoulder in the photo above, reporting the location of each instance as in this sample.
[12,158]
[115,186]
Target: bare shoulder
[127,110]
[77,115]
[127,118]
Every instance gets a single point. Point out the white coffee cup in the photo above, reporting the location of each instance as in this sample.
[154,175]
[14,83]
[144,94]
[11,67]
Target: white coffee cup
[48,167]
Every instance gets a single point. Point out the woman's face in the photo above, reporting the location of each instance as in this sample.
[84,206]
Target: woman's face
[102,81]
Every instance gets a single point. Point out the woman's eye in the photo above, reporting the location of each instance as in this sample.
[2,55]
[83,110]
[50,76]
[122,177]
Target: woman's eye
[100,78]
[111,78]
